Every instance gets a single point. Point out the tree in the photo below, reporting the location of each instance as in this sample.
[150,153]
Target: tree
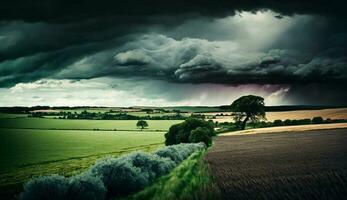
[179,133]
[142,124]
[248,108]
[201,134]
[317,120]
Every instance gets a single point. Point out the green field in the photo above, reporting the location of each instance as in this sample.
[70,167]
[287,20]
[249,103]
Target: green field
[42,123]
[21,147]
[10,115]
[32,147]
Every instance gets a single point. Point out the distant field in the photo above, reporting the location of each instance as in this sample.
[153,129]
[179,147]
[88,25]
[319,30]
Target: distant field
[25,153]
[9,115]
[300,165]
[42,123]
[338,113]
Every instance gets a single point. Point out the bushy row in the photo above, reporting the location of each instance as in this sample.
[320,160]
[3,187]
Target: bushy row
[111,177]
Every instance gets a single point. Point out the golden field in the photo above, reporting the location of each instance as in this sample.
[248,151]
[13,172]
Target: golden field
[338,113]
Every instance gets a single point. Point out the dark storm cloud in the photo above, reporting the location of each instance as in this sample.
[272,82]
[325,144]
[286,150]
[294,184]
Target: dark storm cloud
[178,41]
[67,10]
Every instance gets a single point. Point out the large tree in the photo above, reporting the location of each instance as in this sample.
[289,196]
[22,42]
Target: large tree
[248,108]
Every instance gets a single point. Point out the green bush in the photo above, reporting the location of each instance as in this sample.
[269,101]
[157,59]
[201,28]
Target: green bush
[179,133]
[317,120]
[287,122]
[53,187]
[111,177]
[201,134]
[278,122]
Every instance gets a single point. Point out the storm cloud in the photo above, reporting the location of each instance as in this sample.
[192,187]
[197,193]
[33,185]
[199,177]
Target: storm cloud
[293,45]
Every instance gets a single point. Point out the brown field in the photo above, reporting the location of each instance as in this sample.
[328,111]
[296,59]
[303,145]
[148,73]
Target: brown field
[338,113]
[300,165]
[280,129]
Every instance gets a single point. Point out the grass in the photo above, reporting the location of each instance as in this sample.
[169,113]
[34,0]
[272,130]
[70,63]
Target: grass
[65,124]
[10,115]
[26,153]
[21,147]
[190,180]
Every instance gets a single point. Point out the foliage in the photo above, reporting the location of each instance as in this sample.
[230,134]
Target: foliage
[317,120]
[53,187]
[248,107]
[86,186]
[230,126]
[201,134]
[112,176]
[179,133]
[142,124]
[190,180]
[278,122]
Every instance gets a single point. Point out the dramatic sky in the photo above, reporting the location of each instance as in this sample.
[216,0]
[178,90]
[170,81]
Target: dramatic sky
[160,53]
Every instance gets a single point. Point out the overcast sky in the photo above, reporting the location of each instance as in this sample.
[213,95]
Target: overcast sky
[156,53]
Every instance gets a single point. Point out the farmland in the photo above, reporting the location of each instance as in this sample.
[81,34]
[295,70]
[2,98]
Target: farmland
[32,147]
[336,113]
[65,124]
[296,165]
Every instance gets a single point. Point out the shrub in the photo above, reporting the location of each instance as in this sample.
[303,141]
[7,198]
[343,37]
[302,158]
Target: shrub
[201,134]
[287,122]
[179,152]
[87,187]
[110,177]
[278,122]
[179,133]
[317,120]
[152,165]
[119,176]
[53,187]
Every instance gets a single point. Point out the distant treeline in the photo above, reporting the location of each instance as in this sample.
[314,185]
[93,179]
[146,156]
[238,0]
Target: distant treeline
[108,116]
[290,108]
[197,109]
[232,126]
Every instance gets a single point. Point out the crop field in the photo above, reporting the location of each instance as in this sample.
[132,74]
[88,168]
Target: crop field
[300,165]
[66,124]
[338,113]
[32,147]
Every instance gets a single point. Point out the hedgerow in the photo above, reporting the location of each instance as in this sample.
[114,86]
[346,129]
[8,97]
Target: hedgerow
[111,177]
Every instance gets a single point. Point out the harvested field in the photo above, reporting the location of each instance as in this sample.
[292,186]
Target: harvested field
[296,165]
[338,113]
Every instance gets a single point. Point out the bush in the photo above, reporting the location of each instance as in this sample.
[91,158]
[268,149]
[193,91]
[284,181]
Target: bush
[53,187]
[110,177]
[201,134]
[152,165]
[278,122]
[287,122]
[179,133]
[317,120]
[179,152]
[87,187]
[119,176]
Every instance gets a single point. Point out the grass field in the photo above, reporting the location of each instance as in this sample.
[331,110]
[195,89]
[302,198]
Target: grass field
[42,123]
[296,165]
[25,153]
[9,115]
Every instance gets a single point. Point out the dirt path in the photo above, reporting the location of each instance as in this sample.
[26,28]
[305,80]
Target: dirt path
[295,165]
